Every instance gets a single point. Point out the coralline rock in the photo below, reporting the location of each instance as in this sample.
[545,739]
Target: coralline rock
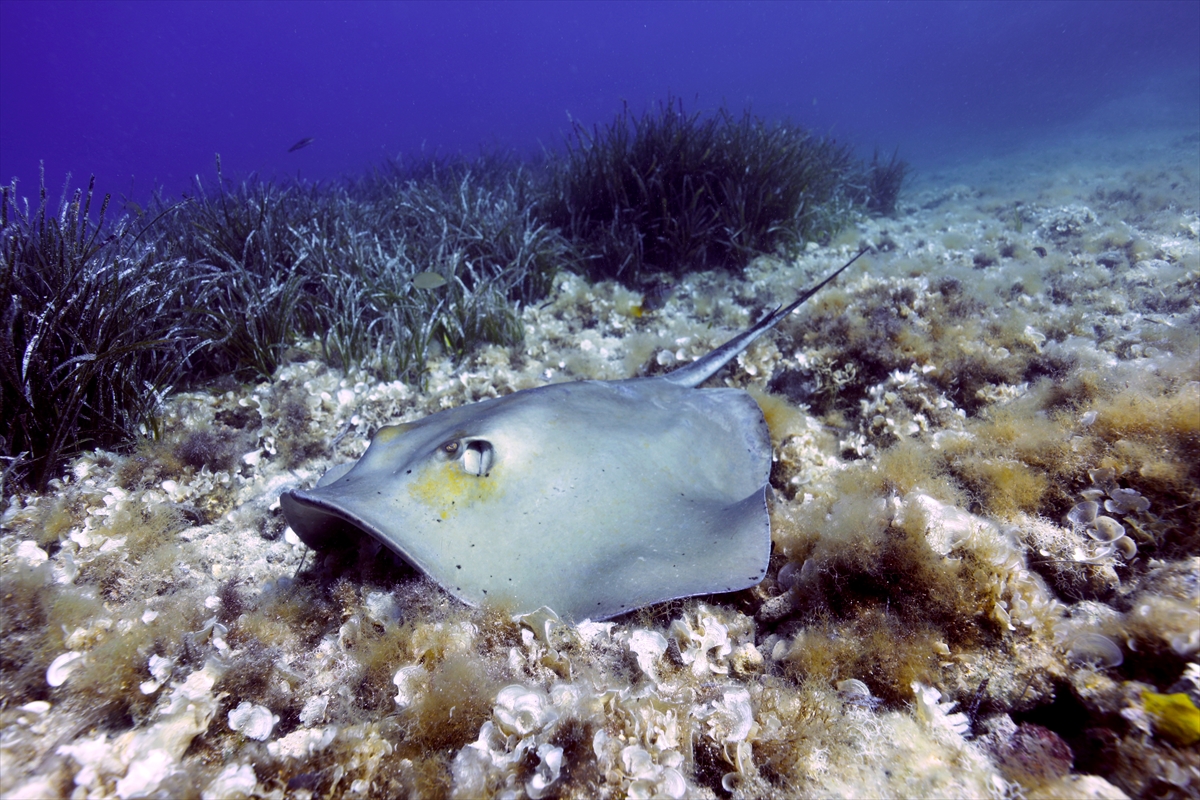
[302,743]
[235,782]
[143,758]
[1065,221]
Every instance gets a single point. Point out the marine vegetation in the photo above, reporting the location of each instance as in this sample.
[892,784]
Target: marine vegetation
[101,318]
[880,184]
[94,327]
[672,192]
[340,260]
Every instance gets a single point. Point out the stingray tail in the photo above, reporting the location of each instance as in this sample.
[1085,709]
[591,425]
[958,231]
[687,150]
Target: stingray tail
[704,368]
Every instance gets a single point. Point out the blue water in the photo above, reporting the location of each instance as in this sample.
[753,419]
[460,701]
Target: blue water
[144,93]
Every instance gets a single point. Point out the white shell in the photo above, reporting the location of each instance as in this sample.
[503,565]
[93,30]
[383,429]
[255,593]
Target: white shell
[252,721]
[62,667]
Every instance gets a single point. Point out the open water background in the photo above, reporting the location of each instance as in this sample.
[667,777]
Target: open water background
[144,93]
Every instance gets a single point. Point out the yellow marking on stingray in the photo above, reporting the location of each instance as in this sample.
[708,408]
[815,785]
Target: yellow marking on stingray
[390,432]
[446,488]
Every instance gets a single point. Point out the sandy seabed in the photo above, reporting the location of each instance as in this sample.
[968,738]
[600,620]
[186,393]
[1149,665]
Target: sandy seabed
[985,578]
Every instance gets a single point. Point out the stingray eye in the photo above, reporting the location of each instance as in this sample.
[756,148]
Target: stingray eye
[450,448]
[478,457]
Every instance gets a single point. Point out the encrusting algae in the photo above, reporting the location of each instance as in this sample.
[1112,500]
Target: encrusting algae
[984,580]
[1175,716]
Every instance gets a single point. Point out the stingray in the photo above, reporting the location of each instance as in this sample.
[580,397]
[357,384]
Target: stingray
[593,498]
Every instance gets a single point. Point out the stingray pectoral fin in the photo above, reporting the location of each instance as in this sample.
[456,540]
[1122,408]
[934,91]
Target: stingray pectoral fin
[727,550]
[335,473]
[593,498]
[319,524]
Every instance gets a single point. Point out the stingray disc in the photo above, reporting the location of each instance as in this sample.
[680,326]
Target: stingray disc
[593,498]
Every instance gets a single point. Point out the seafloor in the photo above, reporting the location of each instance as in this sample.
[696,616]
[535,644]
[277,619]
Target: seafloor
[986,523]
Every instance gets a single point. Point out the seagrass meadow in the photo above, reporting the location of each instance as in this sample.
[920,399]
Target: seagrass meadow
[985,574]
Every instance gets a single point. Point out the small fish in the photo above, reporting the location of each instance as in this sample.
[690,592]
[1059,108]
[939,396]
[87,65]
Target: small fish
[428,280]
[655,298]
[303,143]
